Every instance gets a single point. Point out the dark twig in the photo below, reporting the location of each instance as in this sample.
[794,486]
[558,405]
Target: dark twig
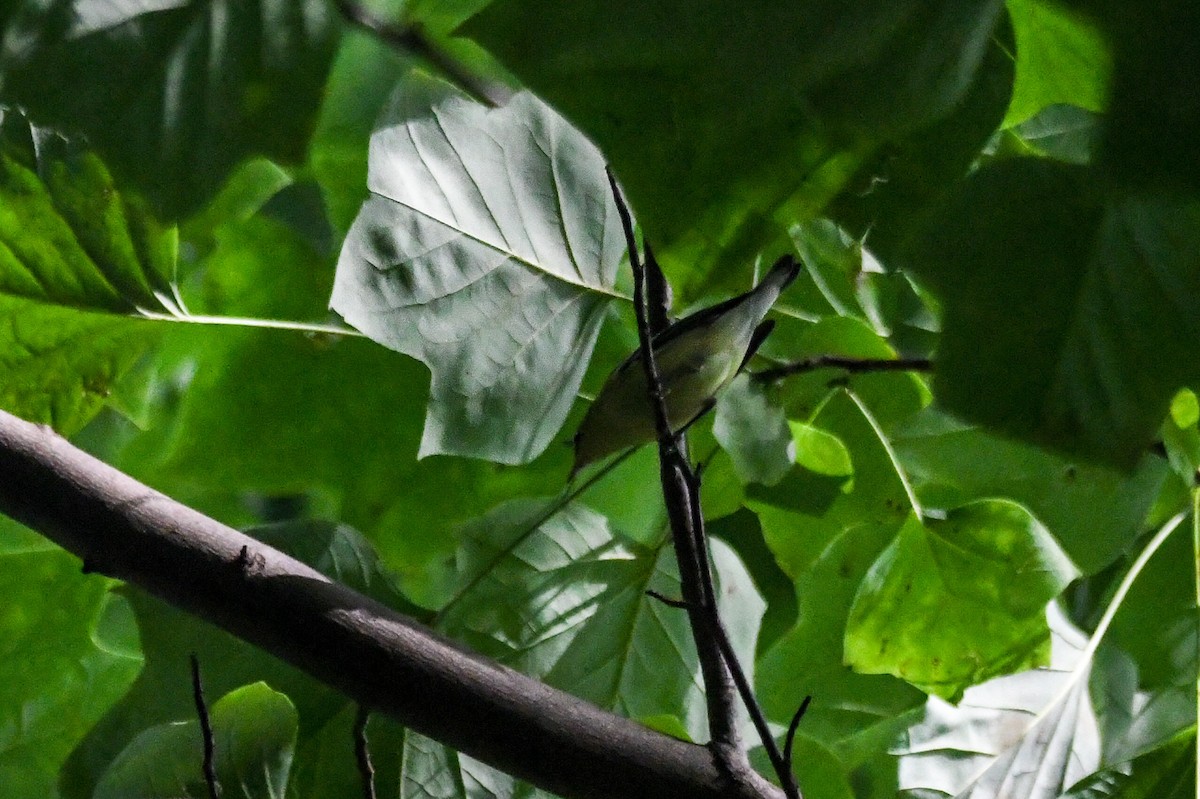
[852,365]
[791,732]
[782,766]
[782,762]
[658,293]
[412,39]
[362,752]
[666,600]
[678,486]
[206,731]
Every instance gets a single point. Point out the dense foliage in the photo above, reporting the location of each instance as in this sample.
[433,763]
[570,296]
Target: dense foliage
[285,271]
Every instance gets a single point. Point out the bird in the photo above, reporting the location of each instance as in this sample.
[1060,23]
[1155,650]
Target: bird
[696,356]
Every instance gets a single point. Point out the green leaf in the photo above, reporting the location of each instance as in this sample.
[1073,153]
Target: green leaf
[67,236]
[1147,140]
[1062,57]
[59,366]
[1065,132]
[1185,409]
[955,601]
[179,92]
[820,452]
[894,189]
[162,691]
[56,677]
[750,426]
[826,532]
[1168,772]
[487,250]
[1055,302]
[254,732]
[802,93]
[1092,511]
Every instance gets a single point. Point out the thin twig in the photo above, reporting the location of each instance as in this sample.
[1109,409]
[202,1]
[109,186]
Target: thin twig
[362,752]
[411,38]
[781,762]
[782,766]
[666,600]
[658,293]
[852,365]
[678,483]
[206,731]
[791,732]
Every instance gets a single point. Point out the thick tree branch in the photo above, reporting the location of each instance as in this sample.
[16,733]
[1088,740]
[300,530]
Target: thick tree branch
[371,653]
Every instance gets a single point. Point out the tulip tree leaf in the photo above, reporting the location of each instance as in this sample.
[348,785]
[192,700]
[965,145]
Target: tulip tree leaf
[955,601]
[1054,302]
[67,236]
[50,641]
[487,249]
[1031,734]
[74,253]
[179,91]
[60,367]
[1093,511]
[1061,58]
[826,531]
[169,635]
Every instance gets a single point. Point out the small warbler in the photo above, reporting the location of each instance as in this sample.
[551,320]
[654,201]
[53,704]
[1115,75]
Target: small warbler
[697,357]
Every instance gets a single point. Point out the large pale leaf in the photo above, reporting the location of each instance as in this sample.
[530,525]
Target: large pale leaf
[1031,734]
[559,597]
[801,92]
[487,250]
[179,91]
[1056,300]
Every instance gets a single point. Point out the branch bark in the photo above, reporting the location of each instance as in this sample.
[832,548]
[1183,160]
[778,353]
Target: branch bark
[372,654]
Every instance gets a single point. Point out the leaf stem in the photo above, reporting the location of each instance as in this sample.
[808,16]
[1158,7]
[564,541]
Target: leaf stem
[891,452]
[565,497]
[250,321]
[1127,582]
